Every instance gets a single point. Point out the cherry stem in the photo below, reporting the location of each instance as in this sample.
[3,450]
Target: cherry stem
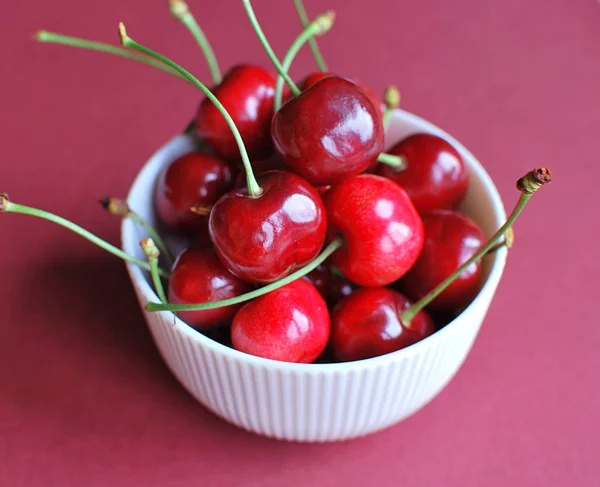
[179,9]
[263,40]
[508,241]
[528,185]
[397,162]
[254,189]
[152,253]
[7,206]
[391,98]
[319,26]
[120,208]
[54,38]
[330,249]
[314,46]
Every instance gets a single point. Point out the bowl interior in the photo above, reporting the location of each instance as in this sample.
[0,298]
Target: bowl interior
[482,203]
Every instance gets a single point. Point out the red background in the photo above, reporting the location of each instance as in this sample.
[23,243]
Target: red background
[85,398]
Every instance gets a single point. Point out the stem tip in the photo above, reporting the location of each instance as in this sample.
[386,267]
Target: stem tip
[533,180]
[202,210]
[150,248]
[324,22]
[40,35]
[4,200]
[178,8]
[123,34]
[391,97]
[115,206]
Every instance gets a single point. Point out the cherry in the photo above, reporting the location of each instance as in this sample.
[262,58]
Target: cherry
[451,238]
[195,179]
[367,324]
[266,237]
[290,324]
[382,230]
[435,175]
[247,94]
[314,78]
[330,285]
[343,140]
[199,276]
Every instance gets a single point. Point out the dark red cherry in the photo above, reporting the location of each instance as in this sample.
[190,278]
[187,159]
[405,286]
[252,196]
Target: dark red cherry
[451,238]
[330,285]
[383,232]
[195,179]
[435,176]
[367,324]
[262,239]
[314,78]
[290,324]
[329,132]
[247,93]
[198,276]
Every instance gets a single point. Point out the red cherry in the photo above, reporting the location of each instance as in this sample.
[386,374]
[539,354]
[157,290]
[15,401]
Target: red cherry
[367,324]
[195,179]
[435,176]
[382,230]
[328,132]
[314,78]
[330,285]
[198,276]
[264,238]
[247,93]
[451,238]
[290,324]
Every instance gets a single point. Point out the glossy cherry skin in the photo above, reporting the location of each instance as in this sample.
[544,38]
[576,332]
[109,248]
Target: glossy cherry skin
[330,285]
[247,93]
[195,179]
[383,232]
[451,238]
[290,324]
[198,276]
[329,132]
[367,324]
[262,239]
[314,78]
[435,176]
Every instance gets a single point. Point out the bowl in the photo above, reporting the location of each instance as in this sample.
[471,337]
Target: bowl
[316,402]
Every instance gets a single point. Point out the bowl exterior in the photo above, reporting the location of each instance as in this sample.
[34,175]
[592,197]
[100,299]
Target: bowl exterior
[316,402]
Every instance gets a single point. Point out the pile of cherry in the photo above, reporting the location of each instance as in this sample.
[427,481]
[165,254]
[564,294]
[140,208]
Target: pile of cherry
[307,243]
[401,232]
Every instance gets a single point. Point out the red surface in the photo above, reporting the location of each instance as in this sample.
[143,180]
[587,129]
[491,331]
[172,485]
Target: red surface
[84,397]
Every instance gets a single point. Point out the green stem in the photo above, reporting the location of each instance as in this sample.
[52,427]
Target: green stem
[263,40]
[314,46]
[397,162]
[319,26]
[152,233]
[54,38]
[330,249]
[528,185]
[152,253]
[254,189]
[181,12]
[10,207]
[118,207]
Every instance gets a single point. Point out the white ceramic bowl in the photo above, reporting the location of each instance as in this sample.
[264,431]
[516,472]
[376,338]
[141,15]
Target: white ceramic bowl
[317,402]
